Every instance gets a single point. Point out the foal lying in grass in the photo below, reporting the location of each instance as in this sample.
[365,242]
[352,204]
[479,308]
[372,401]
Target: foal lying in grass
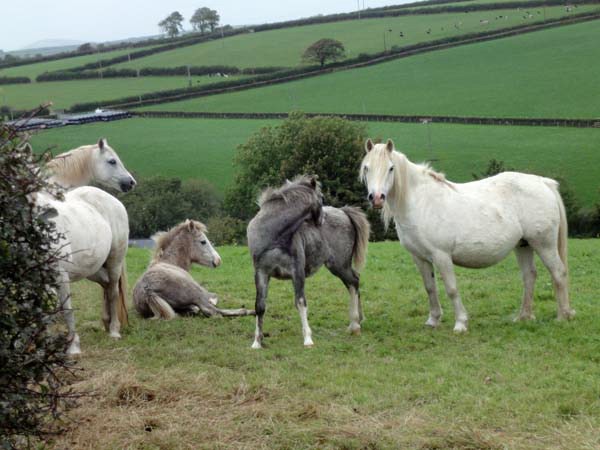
[167,288]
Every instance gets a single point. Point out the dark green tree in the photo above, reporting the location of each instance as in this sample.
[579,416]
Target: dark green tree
[324,50]
[205,18]
[172,24]
[329,147]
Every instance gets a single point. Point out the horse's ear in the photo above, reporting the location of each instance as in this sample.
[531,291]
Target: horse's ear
[369,145]
[190,225]
[313,182]
[101,143]
[389,145]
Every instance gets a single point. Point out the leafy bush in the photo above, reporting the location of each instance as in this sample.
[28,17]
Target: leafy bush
[159,203]
[329,147]
[32,356]
[226,230]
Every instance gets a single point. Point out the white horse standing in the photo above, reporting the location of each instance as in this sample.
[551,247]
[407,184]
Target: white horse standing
[472,225]
[95,230]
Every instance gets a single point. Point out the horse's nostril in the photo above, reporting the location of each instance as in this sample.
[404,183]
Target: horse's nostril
[382,196]
[370,197]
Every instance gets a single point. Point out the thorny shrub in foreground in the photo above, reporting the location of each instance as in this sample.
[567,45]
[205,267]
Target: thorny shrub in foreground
[32,352]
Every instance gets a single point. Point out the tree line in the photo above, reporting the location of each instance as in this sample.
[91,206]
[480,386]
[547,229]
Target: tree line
[203,20]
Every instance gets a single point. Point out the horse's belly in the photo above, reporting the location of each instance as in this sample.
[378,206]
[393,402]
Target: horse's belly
[481,254]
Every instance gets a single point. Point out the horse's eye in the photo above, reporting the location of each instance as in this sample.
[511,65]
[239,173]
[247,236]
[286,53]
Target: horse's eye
[203,242]
[392,169]
[366,169]
[112,162]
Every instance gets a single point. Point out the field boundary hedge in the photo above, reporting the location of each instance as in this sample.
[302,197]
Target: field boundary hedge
[158,97]
[388,11]
[14,80]
[506,121]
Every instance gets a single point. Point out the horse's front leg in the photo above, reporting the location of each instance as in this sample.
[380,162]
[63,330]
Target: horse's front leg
[428,275]
[298,278]
[444,264]
[261,280]
[64,295]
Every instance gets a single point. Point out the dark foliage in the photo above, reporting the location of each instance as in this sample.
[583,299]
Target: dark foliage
[157,204]
[329,147]
[32,355]
[324,50]
[14,80]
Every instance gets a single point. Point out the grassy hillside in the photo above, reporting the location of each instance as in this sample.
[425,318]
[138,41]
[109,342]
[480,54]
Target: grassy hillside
[284,47]
[33,70]
[550,73]
[191,381]
[66,93]
[189,148]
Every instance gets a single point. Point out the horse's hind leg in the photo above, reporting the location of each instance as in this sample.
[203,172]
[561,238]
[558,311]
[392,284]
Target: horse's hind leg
[551,259]
[525,258]
[298,279]
[428,276]
[444,264]
[101,277]
[64,294]
[261,280]
[351,280]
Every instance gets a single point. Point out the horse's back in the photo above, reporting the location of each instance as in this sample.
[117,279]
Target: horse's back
[107,206]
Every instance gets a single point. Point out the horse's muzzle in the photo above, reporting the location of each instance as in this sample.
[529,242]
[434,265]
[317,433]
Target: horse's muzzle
[377,200]
[128,185]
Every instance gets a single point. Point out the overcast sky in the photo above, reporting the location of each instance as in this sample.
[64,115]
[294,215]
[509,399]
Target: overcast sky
[23,22]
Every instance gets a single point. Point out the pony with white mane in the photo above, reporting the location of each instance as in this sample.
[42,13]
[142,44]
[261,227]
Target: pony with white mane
[94,229]
[88,164]
[473,225]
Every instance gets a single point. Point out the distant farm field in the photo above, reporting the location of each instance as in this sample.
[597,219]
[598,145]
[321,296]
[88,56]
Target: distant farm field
[284,47]
[550,73]
[193,148]
[64,94]
[33,70]
[195,383]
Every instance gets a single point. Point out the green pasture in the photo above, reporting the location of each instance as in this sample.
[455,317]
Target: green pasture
[196,383]
[65,94]
[198,148]
[550,73]
[284,47]
[35,69]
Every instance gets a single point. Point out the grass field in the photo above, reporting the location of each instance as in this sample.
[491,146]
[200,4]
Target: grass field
[284,47]
[191,148]
[550,73]
[195,383]
[35,69]
[64,94]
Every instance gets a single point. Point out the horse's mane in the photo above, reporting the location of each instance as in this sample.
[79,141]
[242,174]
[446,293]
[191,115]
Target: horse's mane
[71,167]
[164,238]
[302,189]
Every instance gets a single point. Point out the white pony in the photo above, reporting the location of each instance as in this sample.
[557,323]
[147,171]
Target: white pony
[474,225]
[87,164]
[94,228]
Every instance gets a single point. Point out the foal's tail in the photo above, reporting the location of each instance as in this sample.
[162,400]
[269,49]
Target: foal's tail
[362,227]
[122,307]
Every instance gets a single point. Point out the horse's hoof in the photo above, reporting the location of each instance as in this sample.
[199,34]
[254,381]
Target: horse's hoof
[433,323]
[460,328]
[213,300]
[308,343]
[354,329]
[256,345]
[115,335]
[524,317]
[566,315]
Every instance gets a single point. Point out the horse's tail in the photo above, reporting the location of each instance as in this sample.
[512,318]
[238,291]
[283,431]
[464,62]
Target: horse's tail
[563,230]
[122,307]
[159,307]
[362,227]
